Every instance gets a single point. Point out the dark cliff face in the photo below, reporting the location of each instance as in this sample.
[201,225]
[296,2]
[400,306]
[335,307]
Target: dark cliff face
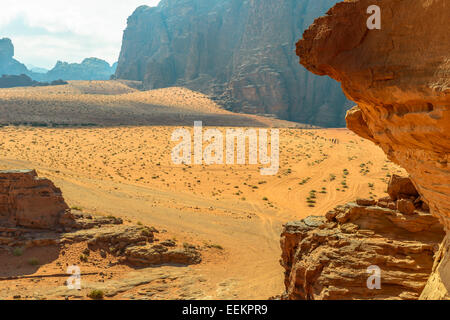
[8,65]
[240,52]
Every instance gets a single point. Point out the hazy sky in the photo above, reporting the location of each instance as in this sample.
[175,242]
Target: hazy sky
[45,31]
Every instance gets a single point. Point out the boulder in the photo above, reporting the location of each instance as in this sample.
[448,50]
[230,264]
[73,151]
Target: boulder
[158,254]
[406,206]
[401,187]
[238,52]
[29,201]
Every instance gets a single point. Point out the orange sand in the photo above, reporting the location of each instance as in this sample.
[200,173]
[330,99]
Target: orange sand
[127,172]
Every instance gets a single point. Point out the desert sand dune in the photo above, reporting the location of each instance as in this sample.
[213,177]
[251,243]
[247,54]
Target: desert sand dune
[117,103]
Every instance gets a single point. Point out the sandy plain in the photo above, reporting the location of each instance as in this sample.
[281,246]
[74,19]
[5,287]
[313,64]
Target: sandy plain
[231,212]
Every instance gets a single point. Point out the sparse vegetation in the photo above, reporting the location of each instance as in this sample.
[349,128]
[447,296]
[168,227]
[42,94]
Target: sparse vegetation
[17,252]
[96,294]
[33,262]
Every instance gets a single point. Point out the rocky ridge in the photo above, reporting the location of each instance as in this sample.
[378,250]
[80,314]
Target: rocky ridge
[88,69]
[399,77]
[12,81]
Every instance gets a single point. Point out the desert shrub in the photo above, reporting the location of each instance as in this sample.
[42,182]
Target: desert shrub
[17,252]
[96,294]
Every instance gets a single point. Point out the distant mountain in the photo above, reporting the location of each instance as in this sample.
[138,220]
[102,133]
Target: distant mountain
[242,53]
[37,69]
[9,65]
[89,69]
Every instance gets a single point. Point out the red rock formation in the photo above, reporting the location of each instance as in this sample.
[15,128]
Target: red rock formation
[328,257]
[400,78]
[29,201]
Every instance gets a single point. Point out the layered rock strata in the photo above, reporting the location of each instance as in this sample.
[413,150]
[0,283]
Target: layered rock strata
[330,258]
[29,201]
[403,95]
[400,78]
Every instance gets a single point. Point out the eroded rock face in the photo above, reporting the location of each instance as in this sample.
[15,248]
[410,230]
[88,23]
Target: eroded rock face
[328,257]
[29,201]
[239,52]
[403,94]
[400,78]
[9,65]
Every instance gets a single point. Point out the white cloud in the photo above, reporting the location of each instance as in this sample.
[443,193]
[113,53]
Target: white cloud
[45,31]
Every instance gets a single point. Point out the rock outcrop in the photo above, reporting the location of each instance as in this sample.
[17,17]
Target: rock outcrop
[29,201]
[239,52]
[33,213]
[330,257]
[9,65]
[400,78]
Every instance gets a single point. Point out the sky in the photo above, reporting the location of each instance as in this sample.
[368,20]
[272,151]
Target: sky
[46,31]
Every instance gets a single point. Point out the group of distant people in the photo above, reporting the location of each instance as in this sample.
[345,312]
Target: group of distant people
[335,141]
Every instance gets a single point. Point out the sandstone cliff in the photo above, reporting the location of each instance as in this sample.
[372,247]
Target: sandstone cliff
[400,78]
[240,52]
